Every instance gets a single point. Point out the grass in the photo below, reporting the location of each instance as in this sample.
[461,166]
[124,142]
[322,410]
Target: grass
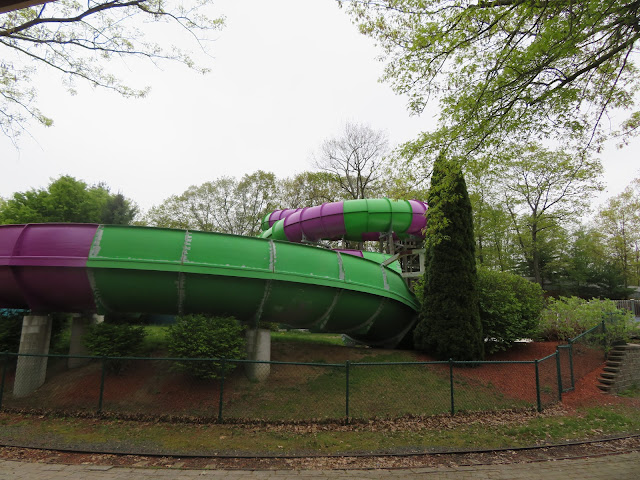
[295,391]
[631,392]
[155,339]
[292,392]
[300,392]
[190,438]
[307,337]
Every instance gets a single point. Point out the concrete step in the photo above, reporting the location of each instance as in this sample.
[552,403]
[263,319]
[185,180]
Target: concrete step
[606,381]
[604,388]
[609,375]
[613,364]
[611,369]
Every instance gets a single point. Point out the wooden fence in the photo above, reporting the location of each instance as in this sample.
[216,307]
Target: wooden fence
[632,305]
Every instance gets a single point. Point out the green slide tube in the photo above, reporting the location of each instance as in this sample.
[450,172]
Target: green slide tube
[139,269]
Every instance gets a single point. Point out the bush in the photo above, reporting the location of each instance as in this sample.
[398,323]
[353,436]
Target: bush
[109,340]
[11,329]
[568,317]
[201,336]
[510,308]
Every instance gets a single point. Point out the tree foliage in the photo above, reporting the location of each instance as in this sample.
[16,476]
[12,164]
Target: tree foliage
[543,192]
[77,40]
[223,205]
[449,325]
[619,220]
[505,67]
[201,336]
[67,199]
[510,308]
[567,317]
[309,188]
[589,270]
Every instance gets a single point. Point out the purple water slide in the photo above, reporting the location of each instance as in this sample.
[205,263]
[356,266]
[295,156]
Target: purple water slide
[315,223]
[43,266]
[327,221]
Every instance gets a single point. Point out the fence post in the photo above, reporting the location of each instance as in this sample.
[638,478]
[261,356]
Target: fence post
[222,368]
[573,380]
[5,356]
[347,365]
[559,371]
[104,369]
[453,409]
[538,386]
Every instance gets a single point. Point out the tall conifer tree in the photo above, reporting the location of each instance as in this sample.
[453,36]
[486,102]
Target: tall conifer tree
[449,325]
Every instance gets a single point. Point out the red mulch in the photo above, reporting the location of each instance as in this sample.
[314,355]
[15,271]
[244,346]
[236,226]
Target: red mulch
[150,389]
[518,380]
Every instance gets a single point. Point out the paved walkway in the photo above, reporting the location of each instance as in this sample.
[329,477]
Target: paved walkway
[618,467]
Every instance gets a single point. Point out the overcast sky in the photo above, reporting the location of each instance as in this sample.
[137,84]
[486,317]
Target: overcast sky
[286,74]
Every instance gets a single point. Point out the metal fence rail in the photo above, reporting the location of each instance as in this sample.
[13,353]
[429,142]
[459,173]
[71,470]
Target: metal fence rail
[245,390]
[141,386]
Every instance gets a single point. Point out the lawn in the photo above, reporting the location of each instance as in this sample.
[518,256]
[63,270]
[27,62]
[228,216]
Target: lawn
[395,407]
[486,431]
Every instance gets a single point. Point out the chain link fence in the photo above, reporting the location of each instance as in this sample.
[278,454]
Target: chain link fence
[548,384]
[242,390]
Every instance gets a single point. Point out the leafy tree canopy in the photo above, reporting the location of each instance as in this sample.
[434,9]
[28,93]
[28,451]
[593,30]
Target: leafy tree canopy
[76,40]
[68,200]
[500,67]
[223,205]
[619,220]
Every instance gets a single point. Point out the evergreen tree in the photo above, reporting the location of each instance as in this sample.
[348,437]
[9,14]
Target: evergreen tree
[449,325]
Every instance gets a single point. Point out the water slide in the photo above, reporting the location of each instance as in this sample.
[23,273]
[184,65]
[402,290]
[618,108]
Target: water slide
[91,268]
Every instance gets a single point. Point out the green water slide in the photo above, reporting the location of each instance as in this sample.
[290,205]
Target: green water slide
[139,269]
[88,268]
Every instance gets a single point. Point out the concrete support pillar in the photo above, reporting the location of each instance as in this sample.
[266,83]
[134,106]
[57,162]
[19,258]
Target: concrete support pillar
[32,371]
[258,348]
[79,325]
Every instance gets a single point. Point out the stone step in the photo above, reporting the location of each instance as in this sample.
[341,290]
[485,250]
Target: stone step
[604,388]
[611,369]
[608,375]
[606,381]
[613,363]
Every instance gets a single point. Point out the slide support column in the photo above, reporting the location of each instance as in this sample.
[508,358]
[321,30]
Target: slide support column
[258,349]
[79,325]
[32,371]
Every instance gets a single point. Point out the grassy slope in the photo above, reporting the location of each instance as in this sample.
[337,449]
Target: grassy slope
[477,430]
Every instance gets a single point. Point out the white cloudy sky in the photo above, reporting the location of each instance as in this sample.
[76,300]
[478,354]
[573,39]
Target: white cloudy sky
[286,74]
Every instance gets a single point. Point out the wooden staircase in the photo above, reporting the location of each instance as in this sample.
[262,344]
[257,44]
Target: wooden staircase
[612,367]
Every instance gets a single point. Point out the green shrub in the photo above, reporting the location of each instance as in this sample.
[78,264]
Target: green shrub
[568,317]
[109,340]
[201,336]
[11,330]
[510,308]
